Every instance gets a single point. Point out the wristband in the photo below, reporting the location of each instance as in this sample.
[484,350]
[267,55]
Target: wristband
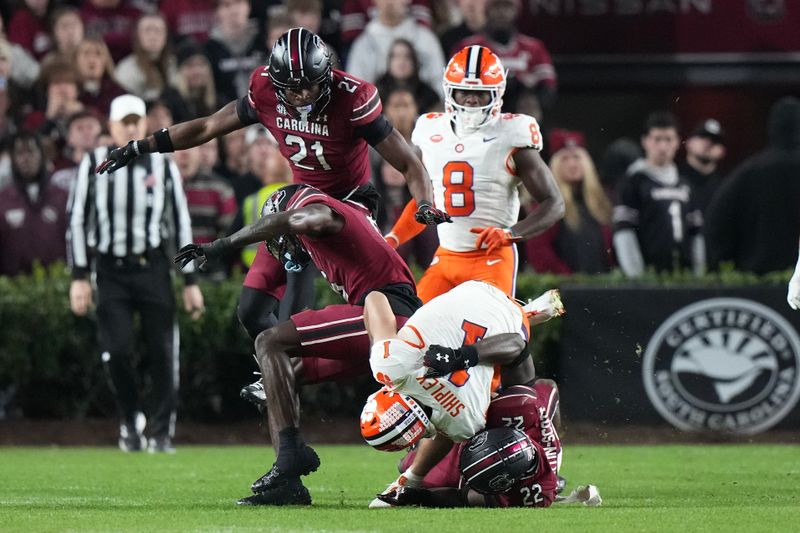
[163,142]
[142,147]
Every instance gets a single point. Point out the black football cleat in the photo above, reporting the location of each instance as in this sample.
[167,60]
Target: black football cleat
[291,492]
[561,484]
[307,461]
[254,393]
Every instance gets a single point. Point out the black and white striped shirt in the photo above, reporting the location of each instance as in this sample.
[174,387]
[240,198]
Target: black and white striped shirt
[126,213]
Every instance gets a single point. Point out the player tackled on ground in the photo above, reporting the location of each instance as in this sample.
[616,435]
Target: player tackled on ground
[301,224]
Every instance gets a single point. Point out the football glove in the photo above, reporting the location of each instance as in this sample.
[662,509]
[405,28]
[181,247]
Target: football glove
[429,215]
[442,360]
[119,157]
[202,252]
[494,238]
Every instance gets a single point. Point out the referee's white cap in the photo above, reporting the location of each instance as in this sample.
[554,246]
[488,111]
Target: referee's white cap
[126,105]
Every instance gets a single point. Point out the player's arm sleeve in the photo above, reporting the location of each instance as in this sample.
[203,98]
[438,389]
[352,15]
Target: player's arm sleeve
[78,207]
[626,220]
[246,111]
[376,131]
[406,227]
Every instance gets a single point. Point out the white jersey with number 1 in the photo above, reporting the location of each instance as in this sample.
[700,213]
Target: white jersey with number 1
[470,312]
[473,176]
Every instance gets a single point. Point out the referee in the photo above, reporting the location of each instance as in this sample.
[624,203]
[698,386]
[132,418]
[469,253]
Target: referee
[126,224]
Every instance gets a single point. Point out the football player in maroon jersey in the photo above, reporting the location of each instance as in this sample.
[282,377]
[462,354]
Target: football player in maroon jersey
[324,120]
[301,224]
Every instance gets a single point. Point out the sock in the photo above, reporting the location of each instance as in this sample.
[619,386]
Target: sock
[289,443]
[412,480]
[406,228]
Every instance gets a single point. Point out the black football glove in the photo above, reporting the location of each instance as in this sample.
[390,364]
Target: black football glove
[404,496]
[429,215]
[442,360]
[118,158]
[202,252]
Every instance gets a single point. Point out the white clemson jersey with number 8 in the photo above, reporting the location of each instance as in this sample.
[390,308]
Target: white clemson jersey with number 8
[473,176]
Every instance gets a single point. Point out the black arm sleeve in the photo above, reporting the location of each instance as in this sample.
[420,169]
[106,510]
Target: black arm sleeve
[247,113]
[376,131]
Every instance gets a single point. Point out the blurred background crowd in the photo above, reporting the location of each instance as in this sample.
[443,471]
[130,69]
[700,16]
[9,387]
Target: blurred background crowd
[715,113]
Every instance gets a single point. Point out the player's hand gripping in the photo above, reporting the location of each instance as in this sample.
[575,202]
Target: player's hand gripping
[429,215]
[494,238]
[202,252]
[119,157]
[442,360]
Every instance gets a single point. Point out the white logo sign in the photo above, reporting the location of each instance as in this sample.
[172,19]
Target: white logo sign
[723,364]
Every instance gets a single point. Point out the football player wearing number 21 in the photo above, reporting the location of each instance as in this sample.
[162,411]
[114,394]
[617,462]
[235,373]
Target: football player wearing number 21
[477,157]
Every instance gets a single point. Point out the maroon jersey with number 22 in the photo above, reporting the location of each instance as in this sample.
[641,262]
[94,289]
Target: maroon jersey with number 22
[326,151]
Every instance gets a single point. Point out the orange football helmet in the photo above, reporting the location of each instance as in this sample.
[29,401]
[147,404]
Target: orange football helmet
[391,421]
[474,68]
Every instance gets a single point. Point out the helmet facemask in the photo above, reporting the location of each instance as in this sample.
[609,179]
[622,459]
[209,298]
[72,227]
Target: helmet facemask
[468,118]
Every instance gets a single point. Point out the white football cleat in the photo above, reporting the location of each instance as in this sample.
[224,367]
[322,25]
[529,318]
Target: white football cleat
[377,503]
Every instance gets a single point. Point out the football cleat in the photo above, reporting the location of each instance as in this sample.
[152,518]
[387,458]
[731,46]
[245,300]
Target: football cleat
[588,495]
[255,394]
[389,497]
[307,461]
[545,307]
[561,484]
[131,438]
[160,445]
[293,492]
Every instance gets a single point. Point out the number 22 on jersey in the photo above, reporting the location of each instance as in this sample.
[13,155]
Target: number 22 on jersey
[459,198]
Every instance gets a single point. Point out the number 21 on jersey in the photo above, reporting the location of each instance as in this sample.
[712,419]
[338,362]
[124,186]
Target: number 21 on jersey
[459,198]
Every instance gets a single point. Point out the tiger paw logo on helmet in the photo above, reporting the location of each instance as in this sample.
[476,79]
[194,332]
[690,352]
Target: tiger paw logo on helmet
[474,68]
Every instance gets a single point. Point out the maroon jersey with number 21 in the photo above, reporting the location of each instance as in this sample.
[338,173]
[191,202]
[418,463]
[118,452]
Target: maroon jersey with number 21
[326,151]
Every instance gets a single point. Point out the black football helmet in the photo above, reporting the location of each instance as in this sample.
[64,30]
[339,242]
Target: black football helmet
[493,461]
[285,248]
[299,60]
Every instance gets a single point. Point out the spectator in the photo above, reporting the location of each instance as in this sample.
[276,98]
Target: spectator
[656,223]
[209,156]
[67,34]
[60,102]
[234,50]
[473,19]
[279,23]
[273,172]
[32,210]
[18,100]
[212,205]
[151,67]
[23,69]
[237,166]
[307,14]
[28,27]
[83,130]
[403,72]
[114,21]
[704,151]
[95,70]
[526,58]
[753,220]
[189,19]
[130,235]
[159,116]
[368,56]
[400,108]
[617,158]
[357,13]
[581,241]
[195,82]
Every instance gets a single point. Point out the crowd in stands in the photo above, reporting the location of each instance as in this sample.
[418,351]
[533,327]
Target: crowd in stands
[645,204]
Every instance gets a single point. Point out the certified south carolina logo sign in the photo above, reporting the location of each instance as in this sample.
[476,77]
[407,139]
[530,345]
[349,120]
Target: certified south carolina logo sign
[723,364]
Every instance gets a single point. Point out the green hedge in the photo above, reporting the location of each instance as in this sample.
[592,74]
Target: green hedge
[50,364]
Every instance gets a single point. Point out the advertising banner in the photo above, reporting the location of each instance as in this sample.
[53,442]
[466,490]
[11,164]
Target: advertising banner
[700,359]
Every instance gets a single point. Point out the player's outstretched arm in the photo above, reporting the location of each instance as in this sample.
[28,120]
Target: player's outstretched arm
[503,349]
[540,183]
[315,220]
[178,137]
[398,153]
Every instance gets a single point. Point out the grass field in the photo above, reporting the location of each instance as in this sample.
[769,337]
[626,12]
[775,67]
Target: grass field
[644,488]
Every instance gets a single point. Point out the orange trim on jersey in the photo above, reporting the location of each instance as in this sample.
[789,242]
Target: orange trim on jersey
[525,322]
[510,166]
[406,227]
[421,344]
